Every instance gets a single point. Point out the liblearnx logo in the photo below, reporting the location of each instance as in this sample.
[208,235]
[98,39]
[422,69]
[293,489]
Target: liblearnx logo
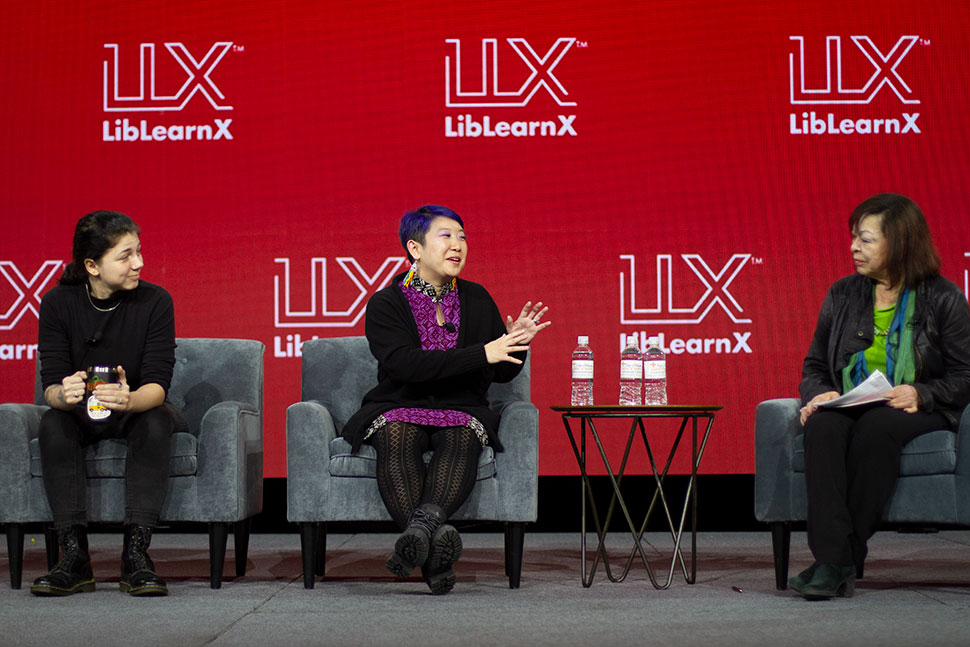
[525,74]
[319,300]
[685,291]
[842,94]
[21,296]
[167,81]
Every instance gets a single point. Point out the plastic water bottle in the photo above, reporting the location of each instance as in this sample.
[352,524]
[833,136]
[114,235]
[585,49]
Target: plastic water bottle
[654,373]
[631,373]
[582,369]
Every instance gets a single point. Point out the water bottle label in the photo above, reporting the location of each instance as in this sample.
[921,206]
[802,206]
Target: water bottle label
[631,369]
[655,370]
[582,369]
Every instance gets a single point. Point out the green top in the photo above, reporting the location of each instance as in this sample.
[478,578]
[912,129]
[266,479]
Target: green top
[876,354]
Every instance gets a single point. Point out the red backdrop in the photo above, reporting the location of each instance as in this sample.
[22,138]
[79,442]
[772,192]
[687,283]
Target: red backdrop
[673,183]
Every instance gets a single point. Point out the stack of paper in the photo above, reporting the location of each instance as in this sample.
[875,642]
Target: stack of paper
[876,388]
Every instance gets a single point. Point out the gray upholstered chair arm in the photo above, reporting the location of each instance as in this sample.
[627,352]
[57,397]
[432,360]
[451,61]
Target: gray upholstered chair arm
[230,432]
[776,427]
[19,424]
[518,465]
[309,430]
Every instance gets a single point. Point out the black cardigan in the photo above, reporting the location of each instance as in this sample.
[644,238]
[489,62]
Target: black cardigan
[408,376]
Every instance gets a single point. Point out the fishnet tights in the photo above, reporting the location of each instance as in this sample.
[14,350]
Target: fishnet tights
[404,481]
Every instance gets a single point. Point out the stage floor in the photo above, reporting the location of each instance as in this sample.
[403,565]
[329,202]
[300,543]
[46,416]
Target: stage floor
[916,591]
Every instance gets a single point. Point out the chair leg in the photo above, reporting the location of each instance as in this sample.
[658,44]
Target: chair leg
[308,544]
[15,553]
[780,545]
[508,565]
[320,550]
[218,535]
[514,541]
[50,545]
[240,535]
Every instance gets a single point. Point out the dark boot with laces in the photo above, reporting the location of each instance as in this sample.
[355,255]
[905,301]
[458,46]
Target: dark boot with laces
[414,544]
[72,574]
[445,550]
[137,570]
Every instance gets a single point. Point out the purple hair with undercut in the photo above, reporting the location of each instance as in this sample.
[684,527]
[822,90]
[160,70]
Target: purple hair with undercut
[415,224]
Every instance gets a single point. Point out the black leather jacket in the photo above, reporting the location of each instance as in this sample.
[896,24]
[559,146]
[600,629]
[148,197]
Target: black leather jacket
[941,338]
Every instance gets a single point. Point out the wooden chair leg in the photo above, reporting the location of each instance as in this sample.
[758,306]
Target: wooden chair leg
[15,553]
[781,545]
[320,551]
[240,536]
[308,545]
[514,542]
[218,535]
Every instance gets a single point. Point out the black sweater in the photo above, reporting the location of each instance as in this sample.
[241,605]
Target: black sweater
[139,334]
[408,376]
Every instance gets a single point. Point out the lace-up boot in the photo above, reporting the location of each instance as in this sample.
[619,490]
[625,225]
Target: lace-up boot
[137,569]
[412,547]
[445,550]
[72,574]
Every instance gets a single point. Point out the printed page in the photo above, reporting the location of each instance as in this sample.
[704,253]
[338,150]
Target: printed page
[875,389]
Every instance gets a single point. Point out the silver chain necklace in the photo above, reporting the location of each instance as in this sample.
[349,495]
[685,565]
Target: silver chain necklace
[87,291]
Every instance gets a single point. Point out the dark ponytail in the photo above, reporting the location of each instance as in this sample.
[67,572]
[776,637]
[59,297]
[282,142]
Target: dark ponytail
[94,235]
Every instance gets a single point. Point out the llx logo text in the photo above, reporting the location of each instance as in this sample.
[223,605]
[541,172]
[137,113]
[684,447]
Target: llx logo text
[149,98]
[835,91]
[540,74]
[665,311]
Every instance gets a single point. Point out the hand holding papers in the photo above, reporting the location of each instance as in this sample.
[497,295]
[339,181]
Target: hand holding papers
[875,388]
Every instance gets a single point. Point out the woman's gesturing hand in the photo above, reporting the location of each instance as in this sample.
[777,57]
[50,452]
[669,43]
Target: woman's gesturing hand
[812,405]
[528,321]
[502,348]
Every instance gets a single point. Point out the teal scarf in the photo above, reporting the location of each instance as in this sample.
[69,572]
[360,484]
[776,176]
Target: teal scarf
[900,359]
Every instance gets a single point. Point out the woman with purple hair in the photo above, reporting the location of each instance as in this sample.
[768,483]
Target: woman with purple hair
[439,342]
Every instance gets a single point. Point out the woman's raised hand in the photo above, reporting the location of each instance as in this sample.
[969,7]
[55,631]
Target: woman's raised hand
[528,321]
[501,349]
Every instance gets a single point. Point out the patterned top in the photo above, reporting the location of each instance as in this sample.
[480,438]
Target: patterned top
[423,299]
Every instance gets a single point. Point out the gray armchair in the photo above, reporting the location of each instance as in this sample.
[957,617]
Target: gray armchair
[933,485]
[216,471]
[326,483]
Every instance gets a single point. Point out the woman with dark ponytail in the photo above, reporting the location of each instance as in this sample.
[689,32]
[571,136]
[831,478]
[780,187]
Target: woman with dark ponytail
[103,315]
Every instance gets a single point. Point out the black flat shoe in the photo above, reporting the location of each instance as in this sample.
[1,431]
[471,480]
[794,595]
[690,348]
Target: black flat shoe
[829,581]
[801,580]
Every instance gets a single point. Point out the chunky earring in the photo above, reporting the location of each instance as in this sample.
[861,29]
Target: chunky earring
[411,273]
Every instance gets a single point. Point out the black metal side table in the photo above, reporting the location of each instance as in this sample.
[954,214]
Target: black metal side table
[687,414]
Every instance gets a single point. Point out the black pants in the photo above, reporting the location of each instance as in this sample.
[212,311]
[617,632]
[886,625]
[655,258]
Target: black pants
[851,465]
[402,478]
[63,439]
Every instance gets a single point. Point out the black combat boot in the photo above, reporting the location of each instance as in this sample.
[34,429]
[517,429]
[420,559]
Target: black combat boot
[137,570]
[445,550]
[73,573]
[414,544]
